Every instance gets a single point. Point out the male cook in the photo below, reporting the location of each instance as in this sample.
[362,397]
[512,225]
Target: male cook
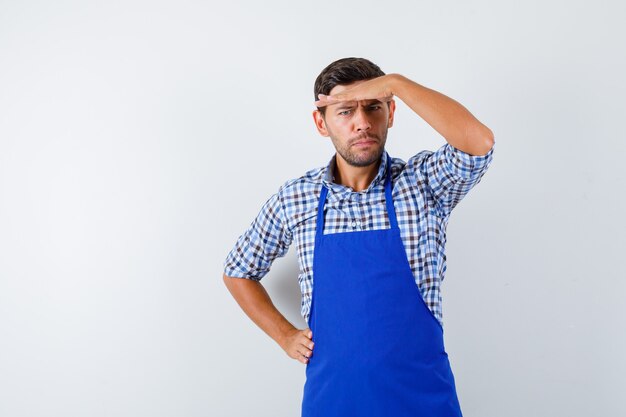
[370,230]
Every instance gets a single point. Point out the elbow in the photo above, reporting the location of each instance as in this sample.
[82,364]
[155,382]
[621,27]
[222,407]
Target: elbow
[489,137]
[478,141]
[488,140]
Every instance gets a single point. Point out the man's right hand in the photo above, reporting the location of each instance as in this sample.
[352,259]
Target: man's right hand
[257,304]
[298,344]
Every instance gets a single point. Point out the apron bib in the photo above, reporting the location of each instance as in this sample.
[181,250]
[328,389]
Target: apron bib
[379,350]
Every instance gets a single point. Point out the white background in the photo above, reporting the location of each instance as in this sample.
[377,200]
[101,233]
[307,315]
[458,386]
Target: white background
[139,139]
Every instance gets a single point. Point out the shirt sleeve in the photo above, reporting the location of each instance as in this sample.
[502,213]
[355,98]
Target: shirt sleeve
[264,240]
[449,174]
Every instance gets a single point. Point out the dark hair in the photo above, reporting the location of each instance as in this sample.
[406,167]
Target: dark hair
[344,71]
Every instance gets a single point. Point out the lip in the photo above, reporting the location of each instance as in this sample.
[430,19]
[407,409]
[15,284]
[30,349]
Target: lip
[364,143]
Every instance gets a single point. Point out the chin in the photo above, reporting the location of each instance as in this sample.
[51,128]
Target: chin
[365,160]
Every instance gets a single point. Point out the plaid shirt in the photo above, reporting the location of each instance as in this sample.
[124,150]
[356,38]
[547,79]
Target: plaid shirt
[425,190]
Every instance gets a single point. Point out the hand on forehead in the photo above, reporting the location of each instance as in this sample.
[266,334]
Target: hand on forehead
[369,92]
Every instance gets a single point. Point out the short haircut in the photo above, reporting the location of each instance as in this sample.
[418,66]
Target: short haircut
[344,71]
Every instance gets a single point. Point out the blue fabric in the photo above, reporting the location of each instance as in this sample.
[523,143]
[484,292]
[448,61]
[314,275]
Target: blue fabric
[379,350]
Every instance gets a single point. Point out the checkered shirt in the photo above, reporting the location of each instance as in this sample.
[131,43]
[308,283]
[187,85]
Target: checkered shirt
[425,190]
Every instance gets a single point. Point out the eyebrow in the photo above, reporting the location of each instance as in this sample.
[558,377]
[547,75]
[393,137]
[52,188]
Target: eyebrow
[351,104]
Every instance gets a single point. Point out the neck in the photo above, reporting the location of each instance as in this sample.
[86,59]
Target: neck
[357,178]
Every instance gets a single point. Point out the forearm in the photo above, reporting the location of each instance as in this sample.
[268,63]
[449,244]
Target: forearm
[448,117]
[257,304]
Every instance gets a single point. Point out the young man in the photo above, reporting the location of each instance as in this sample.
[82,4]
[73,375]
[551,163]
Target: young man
[370,233]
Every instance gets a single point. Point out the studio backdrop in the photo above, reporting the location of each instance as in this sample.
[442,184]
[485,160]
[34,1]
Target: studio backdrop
[138,140]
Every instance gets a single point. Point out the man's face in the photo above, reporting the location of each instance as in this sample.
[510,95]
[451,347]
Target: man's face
[358,129]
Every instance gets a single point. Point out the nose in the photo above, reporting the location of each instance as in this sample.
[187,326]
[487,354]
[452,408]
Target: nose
[361,120]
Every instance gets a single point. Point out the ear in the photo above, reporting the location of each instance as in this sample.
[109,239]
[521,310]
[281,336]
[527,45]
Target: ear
[320,123]
[392,109]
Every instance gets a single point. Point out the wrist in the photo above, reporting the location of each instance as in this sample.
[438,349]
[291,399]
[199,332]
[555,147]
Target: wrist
[284,332]
[395,82]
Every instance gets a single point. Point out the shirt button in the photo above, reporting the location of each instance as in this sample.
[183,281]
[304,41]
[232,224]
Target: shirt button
[353,224]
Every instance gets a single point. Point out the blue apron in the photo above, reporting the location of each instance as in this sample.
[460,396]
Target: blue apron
[379,350]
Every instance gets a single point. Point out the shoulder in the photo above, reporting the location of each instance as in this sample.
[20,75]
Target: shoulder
[299,196]
[401,167]
[308,182]
[422,155]
[397,166]
[410,174]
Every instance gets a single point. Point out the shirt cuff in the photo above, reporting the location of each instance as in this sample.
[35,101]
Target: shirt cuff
[466,166]
[236,273]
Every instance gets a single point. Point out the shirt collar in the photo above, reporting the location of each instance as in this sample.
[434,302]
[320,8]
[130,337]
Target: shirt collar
[328,174]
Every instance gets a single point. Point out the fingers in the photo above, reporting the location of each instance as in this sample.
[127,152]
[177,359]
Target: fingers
[300,345]
[375,88]
[305,346]
[325,100]
[334,98]
[304,354]
[343,97]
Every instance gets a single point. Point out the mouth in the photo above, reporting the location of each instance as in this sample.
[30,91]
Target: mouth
[365,142]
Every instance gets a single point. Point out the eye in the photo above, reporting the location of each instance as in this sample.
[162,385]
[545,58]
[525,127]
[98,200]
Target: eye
[344,113]
[375,107]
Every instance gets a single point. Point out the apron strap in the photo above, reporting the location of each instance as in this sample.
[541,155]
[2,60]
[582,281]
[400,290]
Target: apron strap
[391,212]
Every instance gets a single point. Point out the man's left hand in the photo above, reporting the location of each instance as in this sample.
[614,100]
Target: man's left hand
[377,88]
